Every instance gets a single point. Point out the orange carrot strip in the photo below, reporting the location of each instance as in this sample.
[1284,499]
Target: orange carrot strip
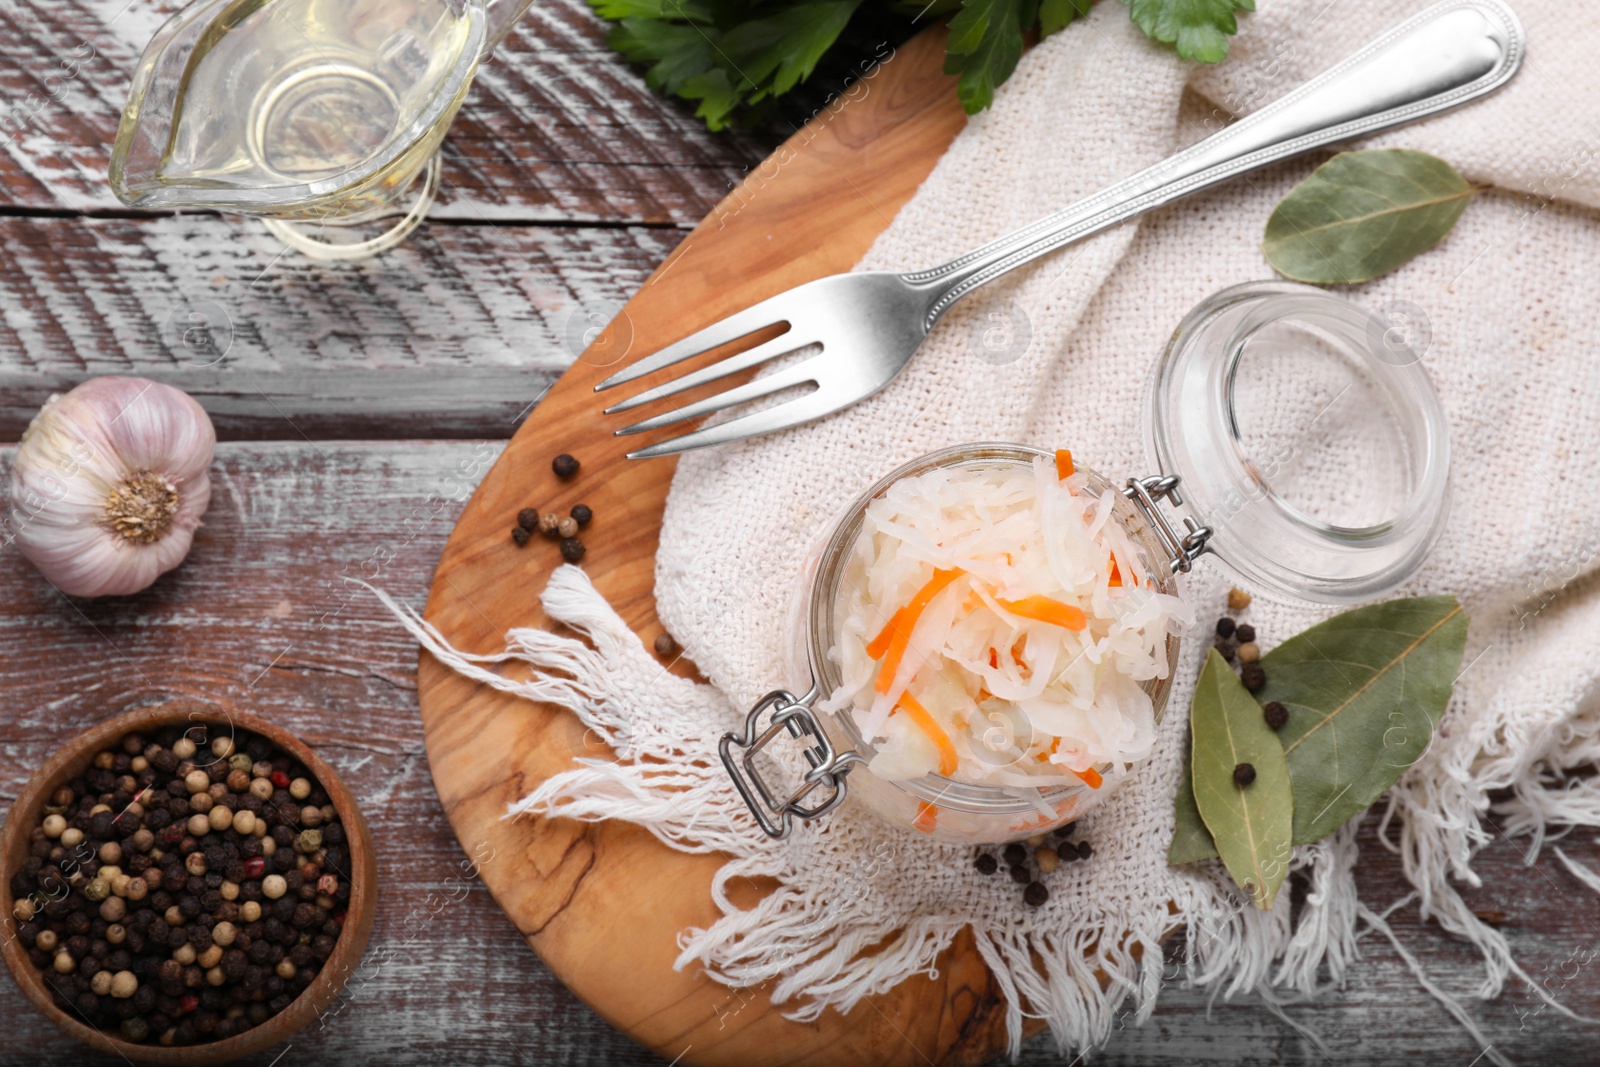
[1091,777]
[948,760]
[907,622]
[1064,467]
[880,644]
[1116,575]
[994,659]
[1044,609]
[927,817]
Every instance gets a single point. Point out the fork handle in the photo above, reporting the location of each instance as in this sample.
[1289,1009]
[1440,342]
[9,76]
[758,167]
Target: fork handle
[1451,53]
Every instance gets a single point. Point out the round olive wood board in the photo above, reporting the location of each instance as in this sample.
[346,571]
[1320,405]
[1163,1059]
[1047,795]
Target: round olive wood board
[603,904]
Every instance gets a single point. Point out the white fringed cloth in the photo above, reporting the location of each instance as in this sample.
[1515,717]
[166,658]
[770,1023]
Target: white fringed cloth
[1512,301]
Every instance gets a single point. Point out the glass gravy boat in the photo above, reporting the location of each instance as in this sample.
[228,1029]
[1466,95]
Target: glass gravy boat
[310,113]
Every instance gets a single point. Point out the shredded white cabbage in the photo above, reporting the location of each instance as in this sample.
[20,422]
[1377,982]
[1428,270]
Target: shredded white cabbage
[1002,690]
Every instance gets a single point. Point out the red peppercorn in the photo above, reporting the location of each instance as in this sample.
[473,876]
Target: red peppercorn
[280,779]
[256,867]
[189,1003]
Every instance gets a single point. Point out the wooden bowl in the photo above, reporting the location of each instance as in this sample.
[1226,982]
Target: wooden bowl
[72,761]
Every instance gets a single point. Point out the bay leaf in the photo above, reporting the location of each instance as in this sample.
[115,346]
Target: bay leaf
[1251,824]
[1364,691]
[1362,214]
[1191,840]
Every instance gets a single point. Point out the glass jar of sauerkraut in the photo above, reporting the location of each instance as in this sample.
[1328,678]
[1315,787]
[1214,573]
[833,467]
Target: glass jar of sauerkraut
[991,630]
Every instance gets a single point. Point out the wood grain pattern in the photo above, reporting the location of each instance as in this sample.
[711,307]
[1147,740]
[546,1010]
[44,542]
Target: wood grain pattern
[454,334]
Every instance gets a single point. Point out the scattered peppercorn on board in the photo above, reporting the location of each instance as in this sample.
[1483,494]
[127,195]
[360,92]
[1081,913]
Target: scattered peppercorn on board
[603,904]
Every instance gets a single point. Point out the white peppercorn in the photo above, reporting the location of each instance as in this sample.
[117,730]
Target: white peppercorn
[124,985]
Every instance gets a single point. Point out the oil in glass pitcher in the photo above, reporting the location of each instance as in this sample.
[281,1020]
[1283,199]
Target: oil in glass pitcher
[315,114]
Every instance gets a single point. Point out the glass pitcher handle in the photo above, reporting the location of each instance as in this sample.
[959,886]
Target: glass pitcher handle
[828,767]
[500,16]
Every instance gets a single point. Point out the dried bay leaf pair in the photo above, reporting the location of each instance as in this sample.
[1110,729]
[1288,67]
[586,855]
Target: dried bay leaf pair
[1364,691]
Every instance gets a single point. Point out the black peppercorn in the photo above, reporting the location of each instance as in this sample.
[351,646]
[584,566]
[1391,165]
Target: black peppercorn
[1246,632]
[1252,676]
[1084,850]
[1244,774]
[1226,627]
[1227,646]
[519,534]
[581,514]
[1014,854]
[528,519]
[564,465]
[1065,831]
[571,549]
[1035,895]
[986,863]
[1276,714]
[1021,875]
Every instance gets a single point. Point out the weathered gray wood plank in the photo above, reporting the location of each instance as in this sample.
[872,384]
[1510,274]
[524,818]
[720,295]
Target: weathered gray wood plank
[451,335]
[263,613]
[557,128]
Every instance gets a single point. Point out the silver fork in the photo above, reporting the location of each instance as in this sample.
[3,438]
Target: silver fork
[868,324]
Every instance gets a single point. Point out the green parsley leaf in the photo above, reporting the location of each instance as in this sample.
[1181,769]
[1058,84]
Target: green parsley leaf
[781,50]
[985,45]
[1198,28]
[1054,14]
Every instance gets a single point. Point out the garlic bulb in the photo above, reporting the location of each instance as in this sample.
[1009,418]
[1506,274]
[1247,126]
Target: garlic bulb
[109,484]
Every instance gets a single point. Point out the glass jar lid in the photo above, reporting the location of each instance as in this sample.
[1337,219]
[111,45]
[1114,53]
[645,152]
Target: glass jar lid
[1306,436]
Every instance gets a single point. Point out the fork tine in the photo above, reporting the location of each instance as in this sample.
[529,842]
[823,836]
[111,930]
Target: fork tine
[786,342]
[793,413]
[799,374]
[720,332]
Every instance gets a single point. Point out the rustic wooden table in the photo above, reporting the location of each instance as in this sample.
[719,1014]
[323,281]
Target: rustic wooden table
[358,405]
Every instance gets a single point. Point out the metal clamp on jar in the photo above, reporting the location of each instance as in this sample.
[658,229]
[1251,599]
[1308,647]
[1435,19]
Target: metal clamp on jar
[1313,456]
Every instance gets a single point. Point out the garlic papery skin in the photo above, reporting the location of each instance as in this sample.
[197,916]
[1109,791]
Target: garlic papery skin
[109,483]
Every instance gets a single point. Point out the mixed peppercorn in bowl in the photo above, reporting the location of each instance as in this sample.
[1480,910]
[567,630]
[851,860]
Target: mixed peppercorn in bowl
[185,883]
